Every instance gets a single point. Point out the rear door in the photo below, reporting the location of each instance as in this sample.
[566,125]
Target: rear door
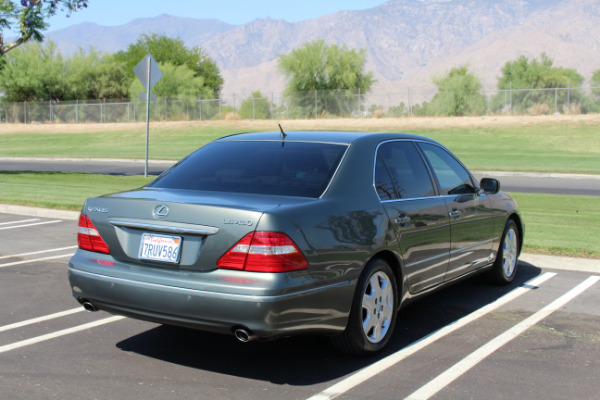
[417,214]
[469,209]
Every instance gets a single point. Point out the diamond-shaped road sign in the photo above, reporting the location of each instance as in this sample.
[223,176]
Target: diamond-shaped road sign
[147,71]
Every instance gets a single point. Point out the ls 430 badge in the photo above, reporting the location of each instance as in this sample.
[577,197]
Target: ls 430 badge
[237,222]
[97,209]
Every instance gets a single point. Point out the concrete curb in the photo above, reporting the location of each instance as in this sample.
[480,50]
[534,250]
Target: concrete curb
[39,212]
[552,175]
[590,265]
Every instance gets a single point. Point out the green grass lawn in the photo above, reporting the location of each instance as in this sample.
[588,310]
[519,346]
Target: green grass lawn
[165,143]
[559,148]
[540,148]
[561,224]
[61,190]
[555,224]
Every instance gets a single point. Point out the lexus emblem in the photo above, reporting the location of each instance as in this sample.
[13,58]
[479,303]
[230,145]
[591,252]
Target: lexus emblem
[160,211]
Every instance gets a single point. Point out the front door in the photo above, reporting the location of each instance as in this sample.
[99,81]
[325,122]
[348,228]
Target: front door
[418,216]
[469,209]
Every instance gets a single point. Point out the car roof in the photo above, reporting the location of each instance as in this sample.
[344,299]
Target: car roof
[341,137]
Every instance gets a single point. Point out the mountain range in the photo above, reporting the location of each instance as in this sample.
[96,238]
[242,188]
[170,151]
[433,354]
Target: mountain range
[406,41]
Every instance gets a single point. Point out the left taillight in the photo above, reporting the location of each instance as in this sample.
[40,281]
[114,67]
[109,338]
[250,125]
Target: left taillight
[264,252]
[88,237]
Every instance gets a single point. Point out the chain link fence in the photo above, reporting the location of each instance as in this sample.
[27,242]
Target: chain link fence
[314,104]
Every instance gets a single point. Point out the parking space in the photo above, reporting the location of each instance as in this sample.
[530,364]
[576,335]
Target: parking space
[32,238]
[537,338]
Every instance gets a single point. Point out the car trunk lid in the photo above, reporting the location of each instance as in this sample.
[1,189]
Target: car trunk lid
[198,227]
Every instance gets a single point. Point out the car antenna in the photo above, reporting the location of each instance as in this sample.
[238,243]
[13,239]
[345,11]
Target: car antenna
[283,134]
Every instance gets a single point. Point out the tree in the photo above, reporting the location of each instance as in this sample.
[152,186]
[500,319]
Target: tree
[459,93]
[94,75]
[39,72]
[522,74]
[112,80]
[203,65]
[173,51]
[28,18]
[176,82]
[256,107]
[33,72]
[398,111]
[337,72]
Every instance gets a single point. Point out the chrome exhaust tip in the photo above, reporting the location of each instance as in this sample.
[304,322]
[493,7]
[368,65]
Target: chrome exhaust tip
[88,306]
[244,335]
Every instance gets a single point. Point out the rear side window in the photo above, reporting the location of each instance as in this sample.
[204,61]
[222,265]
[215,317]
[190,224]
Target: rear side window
[274,168]
[383,181]
[400,164]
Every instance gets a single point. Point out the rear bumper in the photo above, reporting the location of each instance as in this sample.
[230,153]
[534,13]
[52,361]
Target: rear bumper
[321,309]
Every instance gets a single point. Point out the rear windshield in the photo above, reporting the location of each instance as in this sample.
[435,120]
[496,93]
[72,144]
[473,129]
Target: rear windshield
[275,168]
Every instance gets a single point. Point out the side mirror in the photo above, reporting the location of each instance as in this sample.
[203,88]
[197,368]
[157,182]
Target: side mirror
[490,185]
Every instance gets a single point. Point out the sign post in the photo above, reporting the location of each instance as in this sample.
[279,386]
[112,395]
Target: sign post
[149,74]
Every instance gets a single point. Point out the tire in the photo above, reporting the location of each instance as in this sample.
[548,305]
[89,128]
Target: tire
[505,266]
[374,312]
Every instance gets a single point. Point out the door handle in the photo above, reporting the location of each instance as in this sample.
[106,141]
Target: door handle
[403,220]
[454,214]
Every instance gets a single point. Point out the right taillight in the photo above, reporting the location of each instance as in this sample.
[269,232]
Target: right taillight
[264,252]
[88,237]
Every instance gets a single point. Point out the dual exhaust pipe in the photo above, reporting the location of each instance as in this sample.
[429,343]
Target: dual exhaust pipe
[244,335]
[87,305]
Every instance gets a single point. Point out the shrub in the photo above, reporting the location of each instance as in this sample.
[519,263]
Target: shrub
[539,109]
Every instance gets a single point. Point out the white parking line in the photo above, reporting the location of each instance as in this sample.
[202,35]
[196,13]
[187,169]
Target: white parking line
[20,221]
[34,260]
[38,252]
[53,335]
[40,319]
[34,224]
[383,364]
[433,387]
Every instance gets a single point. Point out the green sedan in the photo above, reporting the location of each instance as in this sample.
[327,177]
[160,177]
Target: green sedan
[267,235]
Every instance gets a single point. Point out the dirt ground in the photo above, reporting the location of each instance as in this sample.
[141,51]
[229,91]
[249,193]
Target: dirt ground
[366,124]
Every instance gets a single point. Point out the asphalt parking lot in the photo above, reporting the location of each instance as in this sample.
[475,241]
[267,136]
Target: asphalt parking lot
[537,338]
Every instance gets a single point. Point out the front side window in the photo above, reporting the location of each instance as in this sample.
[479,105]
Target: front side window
[406,169]
[452,176]
[261,167]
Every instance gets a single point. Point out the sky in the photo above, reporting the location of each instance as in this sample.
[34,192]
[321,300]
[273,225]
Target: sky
[234,12]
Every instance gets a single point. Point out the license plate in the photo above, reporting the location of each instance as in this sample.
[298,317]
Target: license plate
[160,248]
